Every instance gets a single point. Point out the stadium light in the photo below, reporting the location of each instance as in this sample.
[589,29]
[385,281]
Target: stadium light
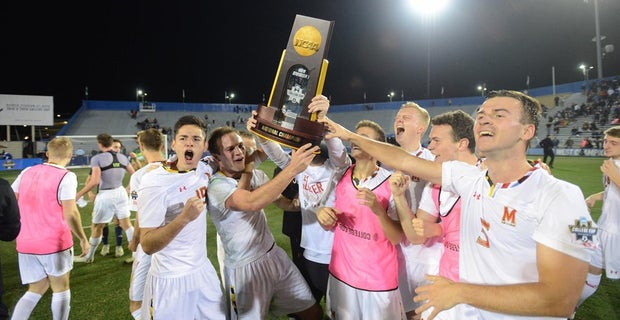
[483,89]
[138,94]
[428,9]
[586,71]
[390,95]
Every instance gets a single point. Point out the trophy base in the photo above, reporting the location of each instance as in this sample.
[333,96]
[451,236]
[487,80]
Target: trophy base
[291,134]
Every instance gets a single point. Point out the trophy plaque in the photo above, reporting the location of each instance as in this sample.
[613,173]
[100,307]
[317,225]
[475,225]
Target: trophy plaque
[300,76]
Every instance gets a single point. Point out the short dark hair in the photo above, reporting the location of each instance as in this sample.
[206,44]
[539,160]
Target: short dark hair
[532,109]
[190,120]
[105,140]
[462,126]
[215,138]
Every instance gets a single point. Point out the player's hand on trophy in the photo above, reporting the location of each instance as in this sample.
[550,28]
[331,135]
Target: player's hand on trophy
[320,105]
[302,157]
[335,130]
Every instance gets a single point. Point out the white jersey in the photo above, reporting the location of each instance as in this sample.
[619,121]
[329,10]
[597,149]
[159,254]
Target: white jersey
[609,225]
[316,185]
[134,183]
[159,205]
[501,219]
[245,235]
[416,260]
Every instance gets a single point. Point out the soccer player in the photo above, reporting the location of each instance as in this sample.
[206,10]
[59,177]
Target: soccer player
[46,195]
[607,256]
[151,144]
[414,261]
[173,227]
[525,235]
[108,170]
[315,190]
[117,146]
[363,271]
[439,212]
[259,276]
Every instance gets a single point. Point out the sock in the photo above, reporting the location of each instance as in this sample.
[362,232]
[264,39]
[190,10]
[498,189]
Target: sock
[61,305]
[137,314]
[129,233]
[118,231]
[94,243]
[25,305]
[592,282]
[104,235]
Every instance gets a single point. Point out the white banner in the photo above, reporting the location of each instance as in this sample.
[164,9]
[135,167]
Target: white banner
[26,110]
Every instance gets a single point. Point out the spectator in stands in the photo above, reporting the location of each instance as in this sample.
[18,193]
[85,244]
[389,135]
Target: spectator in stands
[586,143]
[568,143]
[5,155]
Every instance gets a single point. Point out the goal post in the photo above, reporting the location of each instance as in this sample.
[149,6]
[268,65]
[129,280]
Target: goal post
[85,147]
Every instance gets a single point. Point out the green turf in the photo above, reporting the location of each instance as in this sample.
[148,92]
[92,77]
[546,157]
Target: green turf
[99,290]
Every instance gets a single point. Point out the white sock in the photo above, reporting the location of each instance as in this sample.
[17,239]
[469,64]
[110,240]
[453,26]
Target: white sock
[61,305]
[25,305]
[137,314]
[129,233]
[94,243]
[592,282]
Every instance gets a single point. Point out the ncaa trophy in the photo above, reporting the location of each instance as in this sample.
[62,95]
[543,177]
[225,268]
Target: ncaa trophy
[300,76]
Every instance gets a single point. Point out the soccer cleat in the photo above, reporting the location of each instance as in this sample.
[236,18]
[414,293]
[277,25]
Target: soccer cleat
[119,252]
[105,250]
[84,259]
[129,260]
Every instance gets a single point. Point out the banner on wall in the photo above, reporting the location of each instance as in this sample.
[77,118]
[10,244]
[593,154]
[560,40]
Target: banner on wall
[26,110]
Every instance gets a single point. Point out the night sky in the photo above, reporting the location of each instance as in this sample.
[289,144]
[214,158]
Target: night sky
[207,48]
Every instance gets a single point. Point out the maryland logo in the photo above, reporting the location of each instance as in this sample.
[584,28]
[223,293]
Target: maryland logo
[583,230]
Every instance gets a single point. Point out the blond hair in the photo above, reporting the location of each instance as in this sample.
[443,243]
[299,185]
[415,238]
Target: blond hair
[60,148]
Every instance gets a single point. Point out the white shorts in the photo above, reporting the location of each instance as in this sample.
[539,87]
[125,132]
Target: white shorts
[139,270]
[270,284]
[197,295]
[344,302]
[109,203]
[411,272]
[34,267]
[606,255]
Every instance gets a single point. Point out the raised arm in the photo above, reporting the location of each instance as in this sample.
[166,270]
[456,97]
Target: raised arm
[388,154]
[244,200]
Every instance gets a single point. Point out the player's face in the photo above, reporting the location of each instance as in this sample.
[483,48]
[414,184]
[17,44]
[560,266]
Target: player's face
[611,146]
[232,154]
[407,126]
[498,128]
[356,152]
[189,144]
[442,143]
[116,147]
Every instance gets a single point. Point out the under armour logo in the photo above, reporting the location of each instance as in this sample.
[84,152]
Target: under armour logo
[183,188]
[476,196]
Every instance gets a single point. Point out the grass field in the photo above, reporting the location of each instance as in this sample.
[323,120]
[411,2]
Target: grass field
[99,290]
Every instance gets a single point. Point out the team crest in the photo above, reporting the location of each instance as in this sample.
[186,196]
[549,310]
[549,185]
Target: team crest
[584,231]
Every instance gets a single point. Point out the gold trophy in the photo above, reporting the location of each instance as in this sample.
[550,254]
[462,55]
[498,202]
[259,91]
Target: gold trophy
[300,77]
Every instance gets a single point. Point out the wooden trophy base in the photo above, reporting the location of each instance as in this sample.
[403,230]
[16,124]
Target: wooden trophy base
[292,134]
